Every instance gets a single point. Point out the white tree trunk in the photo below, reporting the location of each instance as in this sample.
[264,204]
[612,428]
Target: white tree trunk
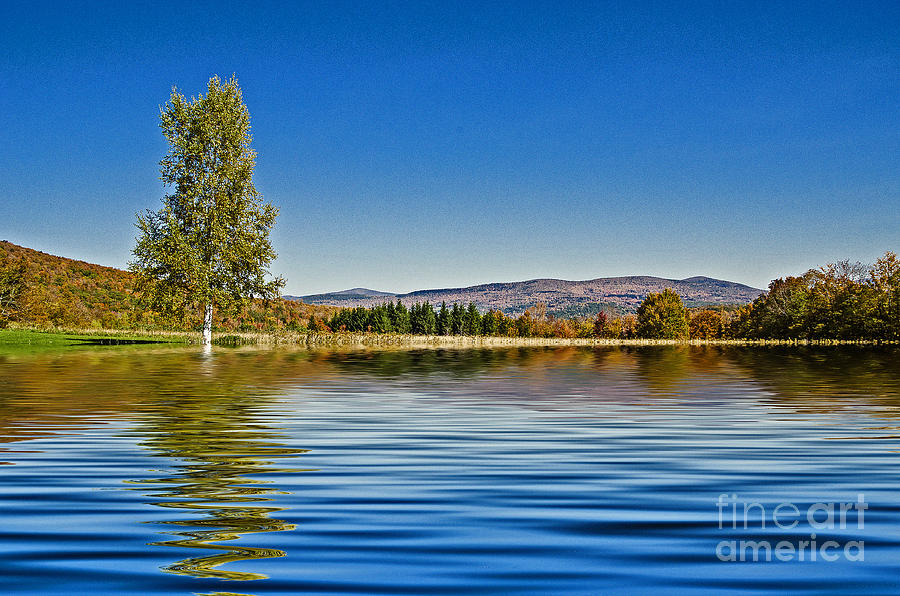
[207,325]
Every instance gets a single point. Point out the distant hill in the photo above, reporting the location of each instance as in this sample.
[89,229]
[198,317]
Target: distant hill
[343,297]
[562,297]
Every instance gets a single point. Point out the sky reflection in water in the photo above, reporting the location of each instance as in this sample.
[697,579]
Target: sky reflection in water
[515,471]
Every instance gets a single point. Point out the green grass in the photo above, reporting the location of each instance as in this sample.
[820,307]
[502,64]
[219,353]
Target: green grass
[32,340]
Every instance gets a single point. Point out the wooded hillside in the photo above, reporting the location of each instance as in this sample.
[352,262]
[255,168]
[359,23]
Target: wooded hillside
[44,290]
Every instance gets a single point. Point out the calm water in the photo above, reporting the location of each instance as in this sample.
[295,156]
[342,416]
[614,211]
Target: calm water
[522,471]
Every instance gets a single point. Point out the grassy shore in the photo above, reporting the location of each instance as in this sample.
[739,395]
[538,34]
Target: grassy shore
[38,339]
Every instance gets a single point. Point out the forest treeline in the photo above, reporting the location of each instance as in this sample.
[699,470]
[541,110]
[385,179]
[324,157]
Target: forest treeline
[847,301]
[839,301]
[844,301]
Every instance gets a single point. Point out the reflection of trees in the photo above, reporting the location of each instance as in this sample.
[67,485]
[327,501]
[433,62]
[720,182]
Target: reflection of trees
[397,364]
[455,363]
[824,379]
[219,443]
[187,407]
[661,368]
[666,368]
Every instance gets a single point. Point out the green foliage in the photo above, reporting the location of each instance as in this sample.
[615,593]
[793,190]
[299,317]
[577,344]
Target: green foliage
[423,320]
[442,322]
[472,320]
[662,316]
[846,301]
[401,318]
[885,281]
[456,319]
[491,323]
[17,341]
[209,244]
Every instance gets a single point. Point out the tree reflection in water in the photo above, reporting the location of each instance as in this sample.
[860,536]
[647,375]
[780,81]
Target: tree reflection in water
[219,443]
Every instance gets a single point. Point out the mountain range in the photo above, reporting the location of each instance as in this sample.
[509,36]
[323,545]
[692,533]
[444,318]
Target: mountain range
[561,297]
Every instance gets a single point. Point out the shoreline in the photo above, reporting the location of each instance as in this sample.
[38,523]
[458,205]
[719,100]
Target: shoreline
[467,341]
[35,336]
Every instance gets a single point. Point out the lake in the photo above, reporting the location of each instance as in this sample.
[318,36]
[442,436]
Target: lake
[609,470]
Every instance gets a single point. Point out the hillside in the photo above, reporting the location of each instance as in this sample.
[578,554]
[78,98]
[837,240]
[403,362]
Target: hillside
[62,292]
[562,297]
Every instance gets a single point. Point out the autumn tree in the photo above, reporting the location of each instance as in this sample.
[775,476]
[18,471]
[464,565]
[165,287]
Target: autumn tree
[208,247]
[885,275]
[599,326]
[706,324]
[662,316]
[12,288]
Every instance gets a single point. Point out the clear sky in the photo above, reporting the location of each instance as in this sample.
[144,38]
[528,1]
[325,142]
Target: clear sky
[422,145]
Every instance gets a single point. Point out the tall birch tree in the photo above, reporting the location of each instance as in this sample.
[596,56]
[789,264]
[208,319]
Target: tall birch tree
[208,247]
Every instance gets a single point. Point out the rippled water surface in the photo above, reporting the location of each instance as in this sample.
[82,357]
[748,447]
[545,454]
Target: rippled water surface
[501,471]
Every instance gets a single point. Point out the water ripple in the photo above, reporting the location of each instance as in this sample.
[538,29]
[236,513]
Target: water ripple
[565,471]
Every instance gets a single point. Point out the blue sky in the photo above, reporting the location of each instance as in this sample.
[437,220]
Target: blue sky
[421,145]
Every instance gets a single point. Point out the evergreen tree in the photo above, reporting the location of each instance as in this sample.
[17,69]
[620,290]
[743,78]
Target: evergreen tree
[359,319]
[337,321]
[379,320]
[416,323]
[472,320]
[443,320]
[456,319]
[490,322]
[402,318]
[392,314]
[430,319]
